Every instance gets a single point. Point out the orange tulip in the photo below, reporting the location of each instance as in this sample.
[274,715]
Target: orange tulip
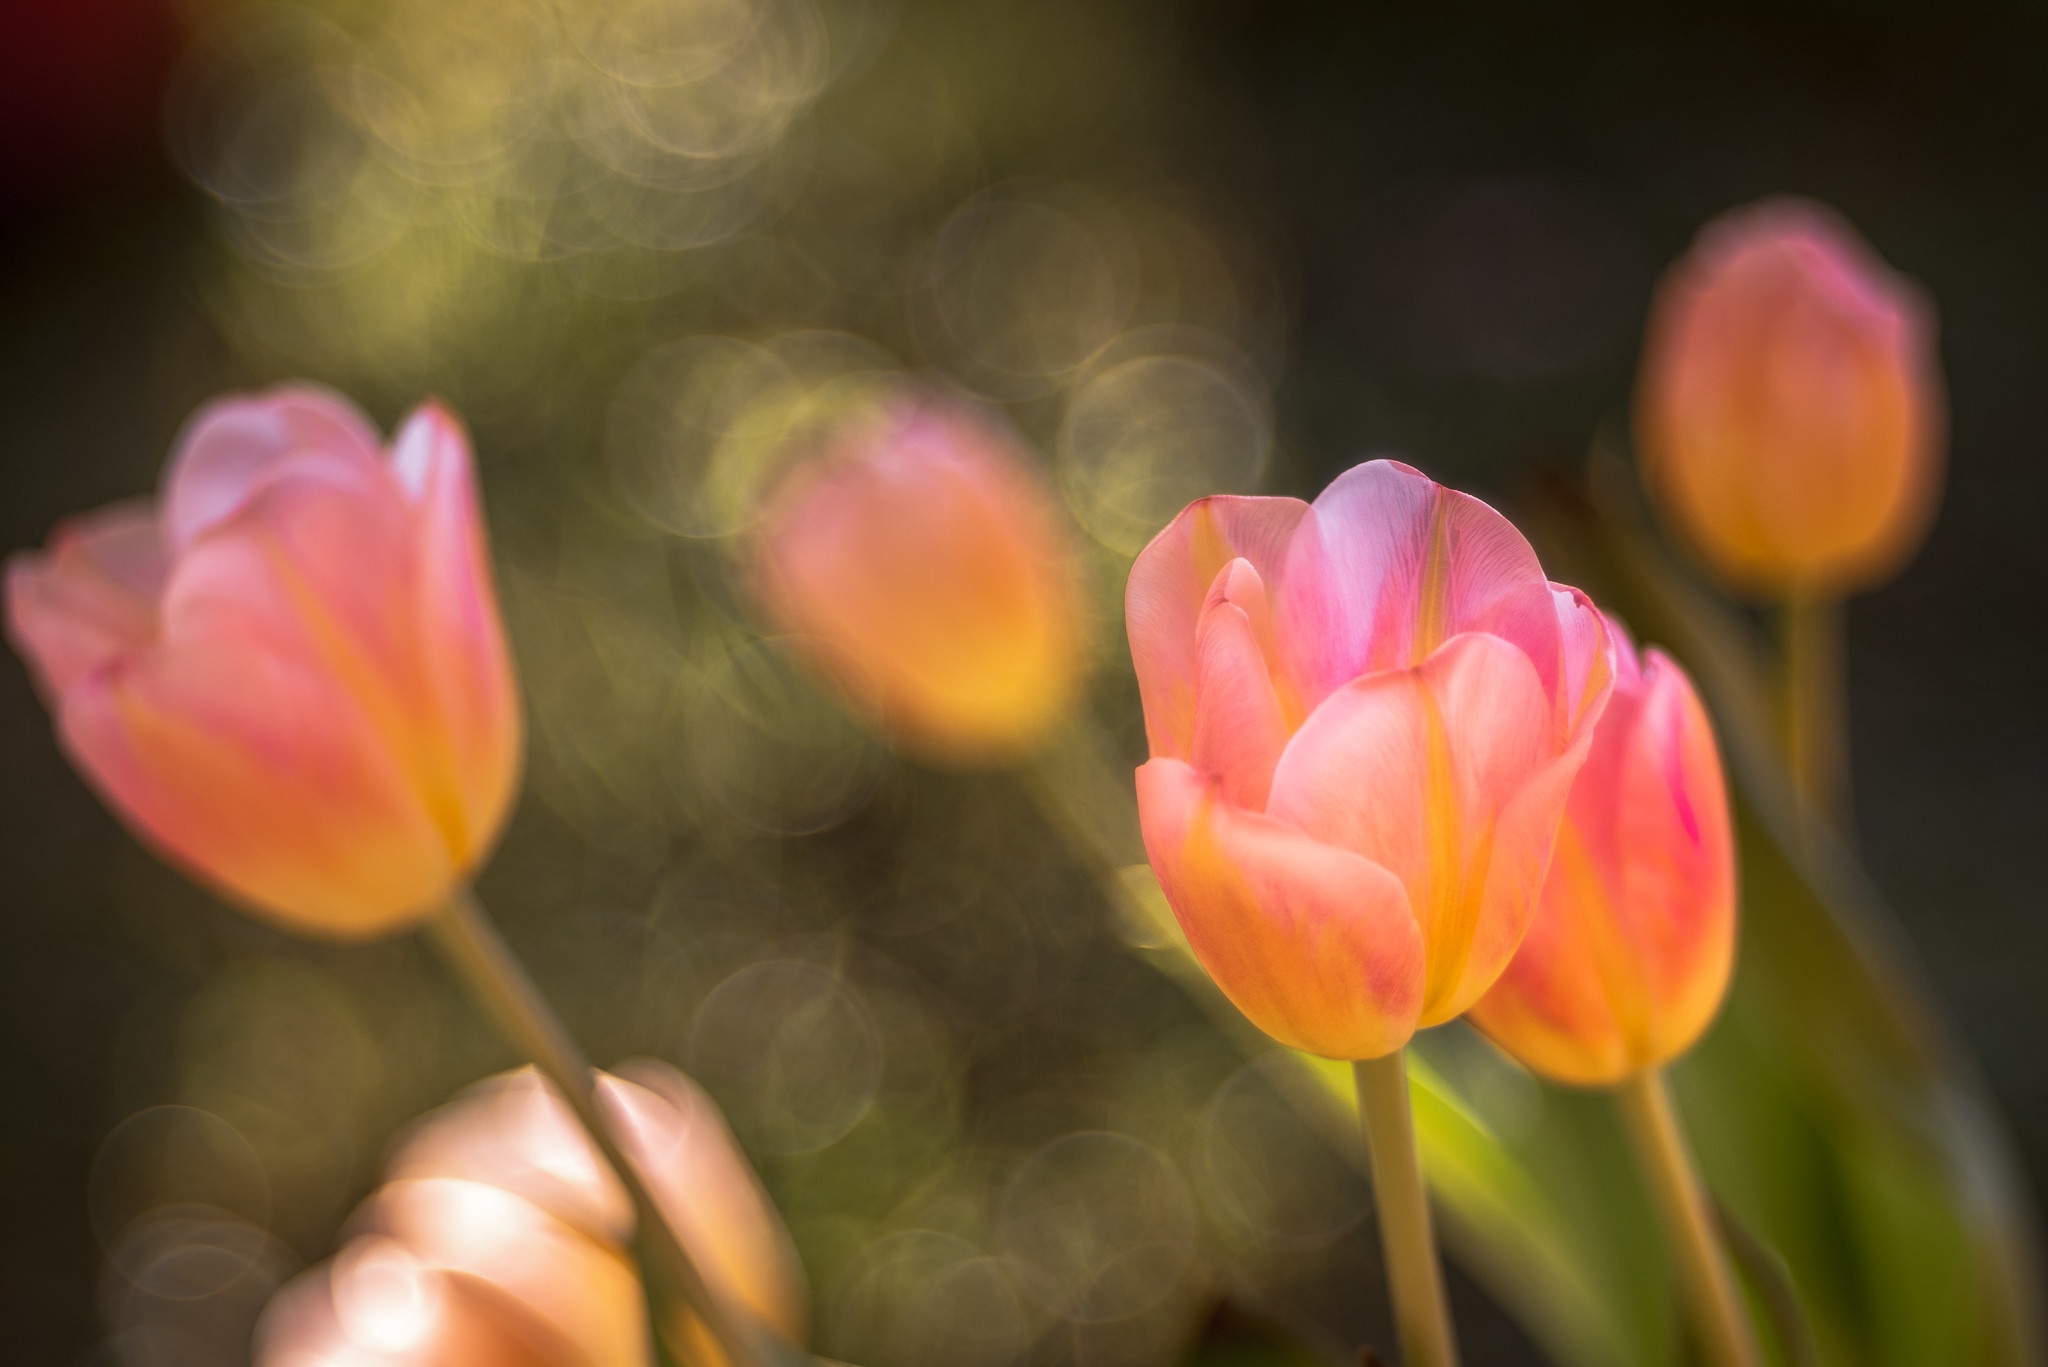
[1791,416]
[499,1237]
[1364,718]
[287,674]
[921,562]
[1634,938]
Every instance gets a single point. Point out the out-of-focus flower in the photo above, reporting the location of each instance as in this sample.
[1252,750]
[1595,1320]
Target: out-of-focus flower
[923,565]
[499,1238]
[1791,417]
[1634,937]
[1364,716]
[287,673]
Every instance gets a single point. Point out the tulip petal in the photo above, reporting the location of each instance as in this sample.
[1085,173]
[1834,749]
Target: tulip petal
[227,445]
[463,644]
[1240,725]
[1630,952]
[91,598]
[1678,891]
[1588,661]
[1391,564]
[695,1169]
[1169,585]
[1314,943]
[1420,771]
[265,779]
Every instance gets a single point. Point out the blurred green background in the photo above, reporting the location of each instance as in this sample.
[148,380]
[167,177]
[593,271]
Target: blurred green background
[1185,248]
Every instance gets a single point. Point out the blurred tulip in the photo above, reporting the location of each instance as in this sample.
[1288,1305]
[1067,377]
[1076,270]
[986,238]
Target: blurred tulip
[1791,417]
[287,674]
[499,1228]
[923,564]
[1364,717]
[1634,937]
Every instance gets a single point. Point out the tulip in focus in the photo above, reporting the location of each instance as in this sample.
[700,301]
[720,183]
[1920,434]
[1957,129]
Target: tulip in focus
[1634,938]
[500,1238]
[921,562]
[287,673]
[1364,715]
[1791,417]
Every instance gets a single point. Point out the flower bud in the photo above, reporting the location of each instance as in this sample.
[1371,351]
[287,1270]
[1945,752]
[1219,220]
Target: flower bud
[500,1237]
[287,674]
[1634,937]
[1790,414]
[920,563]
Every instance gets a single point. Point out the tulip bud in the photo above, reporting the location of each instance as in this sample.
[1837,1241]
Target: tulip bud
[1790,415]
[1364,716]
[921,563]
[1634,938]
[498,1224]
[287,674]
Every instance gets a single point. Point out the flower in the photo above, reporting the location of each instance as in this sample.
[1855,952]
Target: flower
[1790,413]
[287,674]
[499,1237]
[1634,938]
[1364,717]
[922,566]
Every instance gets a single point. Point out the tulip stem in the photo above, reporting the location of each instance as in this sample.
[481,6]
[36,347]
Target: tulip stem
[478,954]
[1421,1313]
[1711,1295]
[1816,744]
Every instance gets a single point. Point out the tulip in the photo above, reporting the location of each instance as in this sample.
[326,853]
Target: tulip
[1630,953]
[1634,938]
[498,1224]
[1790,416]
[921,565]
[1364,715]
[287,673]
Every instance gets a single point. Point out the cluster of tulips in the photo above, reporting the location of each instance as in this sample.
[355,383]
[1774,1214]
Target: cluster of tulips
[1397,775]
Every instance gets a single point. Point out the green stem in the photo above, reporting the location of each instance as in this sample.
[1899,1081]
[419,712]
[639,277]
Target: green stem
[1816,745]
[1421,1313]
[480,957]
[1708,1283]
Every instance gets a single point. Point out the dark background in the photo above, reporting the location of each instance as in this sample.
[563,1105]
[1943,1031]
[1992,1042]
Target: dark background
[1466,205]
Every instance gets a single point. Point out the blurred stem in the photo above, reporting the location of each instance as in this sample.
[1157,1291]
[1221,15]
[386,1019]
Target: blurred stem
[1421,1312]
[1725,1335]
[1816,743]
[463,932]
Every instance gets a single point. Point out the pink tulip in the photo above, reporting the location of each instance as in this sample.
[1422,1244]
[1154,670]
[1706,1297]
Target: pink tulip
[500,1237]
[1791,415]
[287,674]
[920,561]
[1364,717]
[1634,938]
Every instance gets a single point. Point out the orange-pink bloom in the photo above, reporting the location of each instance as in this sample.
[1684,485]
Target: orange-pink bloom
[287,673]
[1364,717]
[1790,416]
[500,1238]
[1634,938]
[921,564]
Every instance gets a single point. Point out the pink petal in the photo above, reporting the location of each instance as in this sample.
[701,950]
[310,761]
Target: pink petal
[1420,771]
[90,599]
[463,644]
[263,777]
[1591,655]
[1391,564]
[228,443]
[1678,875]
[1312,942]
[1240,724]
[1169,584]
[1631,948]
